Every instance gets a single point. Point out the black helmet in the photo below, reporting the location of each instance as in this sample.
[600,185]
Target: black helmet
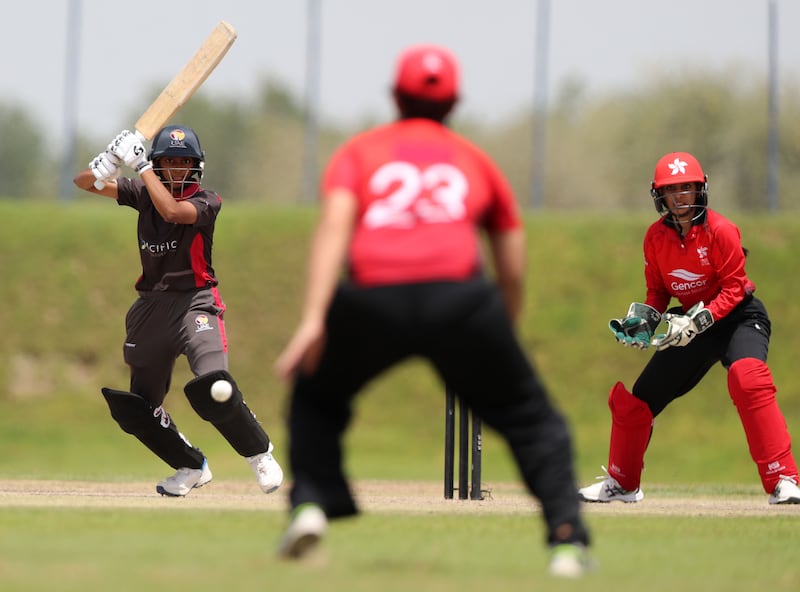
[177,140]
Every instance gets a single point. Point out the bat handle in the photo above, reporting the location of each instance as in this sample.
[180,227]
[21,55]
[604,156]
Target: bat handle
[98,184]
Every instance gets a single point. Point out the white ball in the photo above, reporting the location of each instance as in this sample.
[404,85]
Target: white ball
[221,391]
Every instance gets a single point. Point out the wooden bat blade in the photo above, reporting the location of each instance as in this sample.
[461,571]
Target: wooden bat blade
[187,81]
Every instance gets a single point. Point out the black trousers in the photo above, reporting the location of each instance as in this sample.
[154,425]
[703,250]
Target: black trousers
[463,329]
[160,326]
[673,372]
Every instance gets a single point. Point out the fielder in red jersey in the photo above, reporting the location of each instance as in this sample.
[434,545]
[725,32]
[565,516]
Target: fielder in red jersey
[403,209]
[695,255]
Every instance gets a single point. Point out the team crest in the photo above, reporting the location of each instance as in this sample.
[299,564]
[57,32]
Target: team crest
[702,252]
[201,323]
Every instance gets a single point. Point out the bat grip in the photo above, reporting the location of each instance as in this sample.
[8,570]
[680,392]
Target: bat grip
[99,184]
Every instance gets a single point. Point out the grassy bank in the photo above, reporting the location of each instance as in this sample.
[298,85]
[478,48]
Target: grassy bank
[70,270]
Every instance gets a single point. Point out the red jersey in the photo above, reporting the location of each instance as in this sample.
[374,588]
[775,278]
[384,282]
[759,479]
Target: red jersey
[707,265]
[423,193]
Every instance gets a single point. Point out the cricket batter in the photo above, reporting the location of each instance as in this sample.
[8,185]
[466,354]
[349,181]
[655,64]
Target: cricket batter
[179,309]
[403,208]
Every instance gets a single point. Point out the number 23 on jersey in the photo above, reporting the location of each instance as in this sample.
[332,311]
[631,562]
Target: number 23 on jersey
[432,195]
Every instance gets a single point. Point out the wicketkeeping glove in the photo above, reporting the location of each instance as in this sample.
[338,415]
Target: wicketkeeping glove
[129,148]
[636,329]
[681,329]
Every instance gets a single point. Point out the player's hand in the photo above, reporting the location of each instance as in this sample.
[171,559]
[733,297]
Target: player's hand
[105,166]
[636,328]
[303,352]
[120,144]
[129,148]
[681,329]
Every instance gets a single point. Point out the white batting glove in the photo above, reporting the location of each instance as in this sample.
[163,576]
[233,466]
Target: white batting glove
[120,144]
[128,147]
[105,166]
[681,329]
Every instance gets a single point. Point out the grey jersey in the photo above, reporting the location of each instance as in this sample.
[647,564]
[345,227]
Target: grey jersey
[175,257]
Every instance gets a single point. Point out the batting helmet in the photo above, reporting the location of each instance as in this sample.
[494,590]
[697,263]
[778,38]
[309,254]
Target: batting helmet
[177,140]
[676,168]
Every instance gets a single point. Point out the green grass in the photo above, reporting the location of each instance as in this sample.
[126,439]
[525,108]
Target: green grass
[69,272]
[84,549]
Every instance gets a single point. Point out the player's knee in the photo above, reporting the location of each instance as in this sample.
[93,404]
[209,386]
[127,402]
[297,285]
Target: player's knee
[198,392]
[627,408]
[750,383]
[131,411]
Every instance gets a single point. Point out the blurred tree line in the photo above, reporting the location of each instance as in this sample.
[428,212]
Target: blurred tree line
[600,149]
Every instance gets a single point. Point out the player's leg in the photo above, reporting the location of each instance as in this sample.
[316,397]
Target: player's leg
[238,425]
[359,345]
[668,375]
[631,427]
[154,428]
[206,348]
[473,346]
[149,352]
[752,391]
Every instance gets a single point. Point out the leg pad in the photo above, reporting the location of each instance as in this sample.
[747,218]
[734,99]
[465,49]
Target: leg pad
[631,427]
[752,390]
[153,428]
[198,391]
[232,418]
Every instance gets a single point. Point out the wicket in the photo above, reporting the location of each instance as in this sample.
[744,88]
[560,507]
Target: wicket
[474,492]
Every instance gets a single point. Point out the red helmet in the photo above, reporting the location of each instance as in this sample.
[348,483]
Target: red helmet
[675,168]
[428,72]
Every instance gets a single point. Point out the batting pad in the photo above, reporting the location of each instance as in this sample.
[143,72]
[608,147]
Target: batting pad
[198,391]
[152,427]
[232,418]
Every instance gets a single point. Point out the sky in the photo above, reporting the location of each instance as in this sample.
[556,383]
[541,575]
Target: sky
[126,49]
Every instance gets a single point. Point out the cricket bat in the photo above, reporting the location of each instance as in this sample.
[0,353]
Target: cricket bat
[185,83]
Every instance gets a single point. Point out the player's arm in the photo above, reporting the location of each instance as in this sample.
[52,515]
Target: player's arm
[172,210]
[105,168]
[127,147]
[326,261]
[508,255]
[85,180]
[728,260]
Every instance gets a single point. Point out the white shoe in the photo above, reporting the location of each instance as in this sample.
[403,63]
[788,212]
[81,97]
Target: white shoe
[267,470]
[786,491]
[609,490]
[184,480]
[305,531]
[570,560]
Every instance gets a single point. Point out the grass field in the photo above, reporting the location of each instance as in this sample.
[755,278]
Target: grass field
[89,535]
[70,271]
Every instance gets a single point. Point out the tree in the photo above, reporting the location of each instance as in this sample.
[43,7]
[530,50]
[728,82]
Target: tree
[23,158]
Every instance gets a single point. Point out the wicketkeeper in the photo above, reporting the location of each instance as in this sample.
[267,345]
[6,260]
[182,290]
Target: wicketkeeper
[695,255]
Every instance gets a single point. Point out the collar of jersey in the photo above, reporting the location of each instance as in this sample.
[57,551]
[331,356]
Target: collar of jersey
[188,191]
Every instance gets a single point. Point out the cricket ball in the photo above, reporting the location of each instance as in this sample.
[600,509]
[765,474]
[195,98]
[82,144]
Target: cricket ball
[221,391]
